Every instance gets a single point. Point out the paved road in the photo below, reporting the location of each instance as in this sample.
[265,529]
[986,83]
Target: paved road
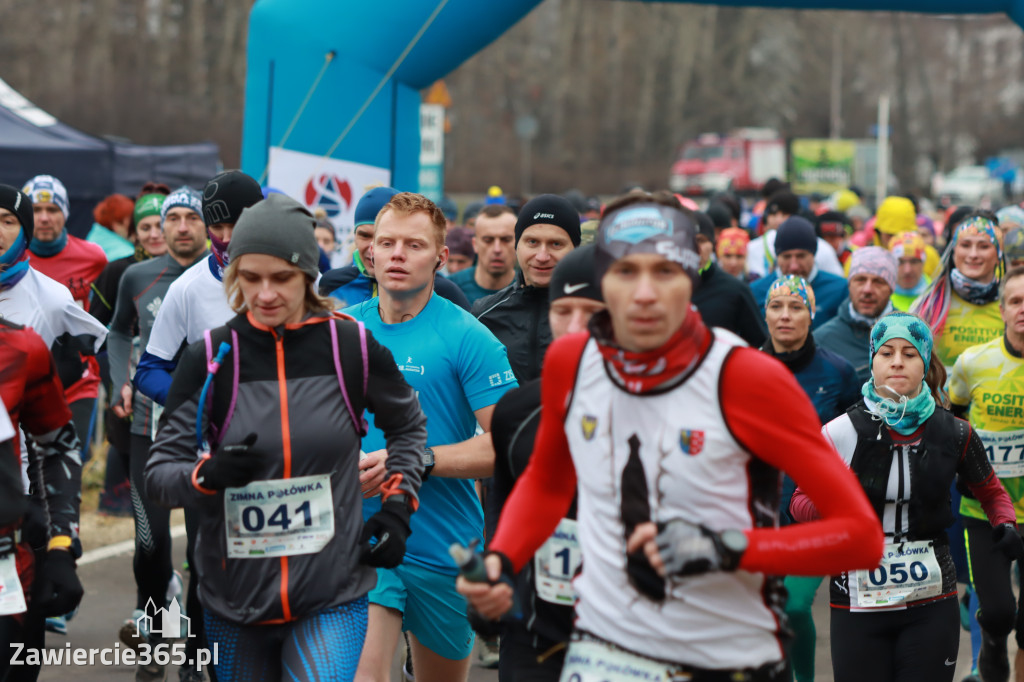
[109,598]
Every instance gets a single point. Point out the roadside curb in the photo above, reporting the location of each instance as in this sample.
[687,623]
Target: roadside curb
[123,547]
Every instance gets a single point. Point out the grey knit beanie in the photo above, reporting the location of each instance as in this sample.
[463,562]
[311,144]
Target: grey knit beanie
[278,226]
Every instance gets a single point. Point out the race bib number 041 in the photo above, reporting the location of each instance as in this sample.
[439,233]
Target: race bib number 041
[1005,450]
[279,518]
[909,572]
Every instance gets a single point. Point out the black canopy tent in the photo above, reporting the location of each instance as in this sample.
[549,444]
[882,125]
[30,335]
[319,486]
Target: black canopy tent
[33,142]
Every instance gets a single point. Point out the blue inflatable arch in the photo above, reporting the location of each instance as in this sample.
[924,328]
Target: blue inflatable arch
[319,78]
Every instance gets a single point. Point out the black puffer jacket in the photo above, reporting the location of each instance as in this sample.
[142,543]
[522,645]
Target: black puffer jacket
[518,316]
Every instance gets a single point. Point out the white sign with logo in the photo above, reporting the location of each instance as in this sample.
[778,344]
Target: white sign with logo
[331,184]
[432,151]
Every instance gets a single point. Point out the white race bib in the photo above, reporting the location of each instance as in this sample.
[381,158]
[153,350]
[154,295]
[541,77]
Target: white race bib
[555,564]
[909,572]
[1005,450]
[591,661]
[279,518]
[12,598]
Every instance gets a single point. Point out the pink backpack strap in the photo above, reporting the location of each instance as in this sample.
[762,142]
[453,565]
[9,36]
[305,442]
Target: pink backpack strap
[235,352]
[357,419]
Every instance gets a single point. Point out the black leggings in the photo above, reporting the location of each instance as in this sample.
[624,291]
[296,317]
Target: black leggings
[919,644]
[152,563]
[519,662]
[999,613]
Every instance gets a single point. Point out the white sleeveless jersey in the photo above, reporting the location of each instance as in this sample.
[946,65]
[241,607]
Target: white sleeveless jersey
[695,470]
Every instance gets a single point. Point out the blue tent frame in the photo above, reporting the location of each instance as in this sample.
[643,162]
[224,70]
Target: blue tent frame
[336,54]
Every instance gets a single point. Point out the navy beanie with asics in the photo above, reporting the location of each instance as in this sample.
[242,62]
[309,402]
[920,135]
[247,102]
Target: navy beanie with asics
[371,204]
[550,209]
[796,232]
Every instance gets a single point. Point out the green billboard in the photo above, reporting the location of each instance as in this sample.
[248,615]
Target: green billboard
[823,166]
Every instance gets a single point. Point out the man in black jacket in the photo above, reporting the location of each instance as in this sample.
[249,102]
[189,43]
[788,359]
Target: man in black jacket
[548,228]
[723,300]
[534,647]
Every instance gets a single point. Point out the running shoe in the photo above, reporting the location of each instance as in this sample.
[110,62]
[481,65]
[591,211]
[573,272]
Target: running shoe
[57,625]
[488,656]
[135,630]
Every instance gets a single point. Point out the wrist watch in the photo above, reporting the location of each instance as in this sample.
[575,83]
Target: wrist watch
[734,542]
[428,461]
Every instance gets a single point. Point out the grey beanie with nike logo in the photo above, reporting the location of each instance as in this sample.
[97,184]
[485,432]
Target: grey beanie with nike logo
[574,276]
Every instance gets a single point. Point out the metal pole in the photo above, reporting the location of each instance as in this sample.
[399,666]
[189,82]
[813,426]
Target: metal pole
[882,180]
[837,84]
[524,180]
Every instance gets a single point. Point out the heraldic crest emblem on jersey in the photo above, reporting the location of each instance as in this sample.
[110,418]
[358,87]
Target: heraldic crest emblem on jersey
[589,425]
[691,442]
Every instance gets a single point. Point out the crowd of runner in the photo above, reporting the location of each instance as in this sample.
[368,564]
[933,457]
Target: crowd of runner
[616,441]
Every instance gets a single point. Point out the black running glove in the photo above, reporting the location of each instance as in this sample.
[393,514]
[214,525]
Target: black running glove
[390,527]
[691,549]
[231,466]
[1007,540]
[58,590]
[643,577]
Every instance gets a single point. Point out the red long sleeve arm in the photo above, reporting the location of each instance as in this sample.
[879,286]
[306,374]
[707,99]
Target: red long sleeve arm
[773,419]
[544,493]
[977,472]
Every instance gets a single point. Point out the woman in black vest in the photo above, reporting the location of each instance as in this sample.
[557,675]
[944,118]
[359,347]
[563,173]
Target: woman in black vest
[901,620]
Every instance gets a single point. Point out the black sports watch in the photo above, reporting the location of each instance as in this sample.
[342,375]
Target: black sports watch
[428,461]
[734,542]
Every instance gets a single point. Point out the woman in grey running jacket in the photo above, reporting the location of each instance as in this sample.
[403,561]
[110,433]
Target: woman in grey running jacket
[284,559]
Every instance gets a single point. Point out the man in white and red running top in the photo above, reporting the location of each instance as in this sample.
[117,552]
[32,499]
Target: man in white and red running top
[76,264]
[674,436]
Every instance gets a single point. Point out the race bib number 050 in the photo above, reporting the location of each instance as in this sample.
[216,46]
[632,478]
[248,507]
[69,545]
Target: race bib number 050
[279,518]
[909,572]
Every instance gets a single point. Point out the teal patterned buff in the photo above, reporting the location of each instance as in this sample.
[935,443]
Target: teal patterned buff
[900,325]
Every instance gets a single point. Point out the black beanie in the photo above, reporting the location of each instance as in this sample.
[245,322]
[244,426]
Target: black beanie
[796,232]
[783,202]
[550,209]
[720,215]
[18,203]
[574,276]
[227,195]
[705,226]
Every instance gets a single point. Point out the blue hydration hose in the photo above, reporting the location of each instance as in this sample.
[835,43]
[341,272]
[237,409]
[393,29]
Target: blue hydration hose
[211,369]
